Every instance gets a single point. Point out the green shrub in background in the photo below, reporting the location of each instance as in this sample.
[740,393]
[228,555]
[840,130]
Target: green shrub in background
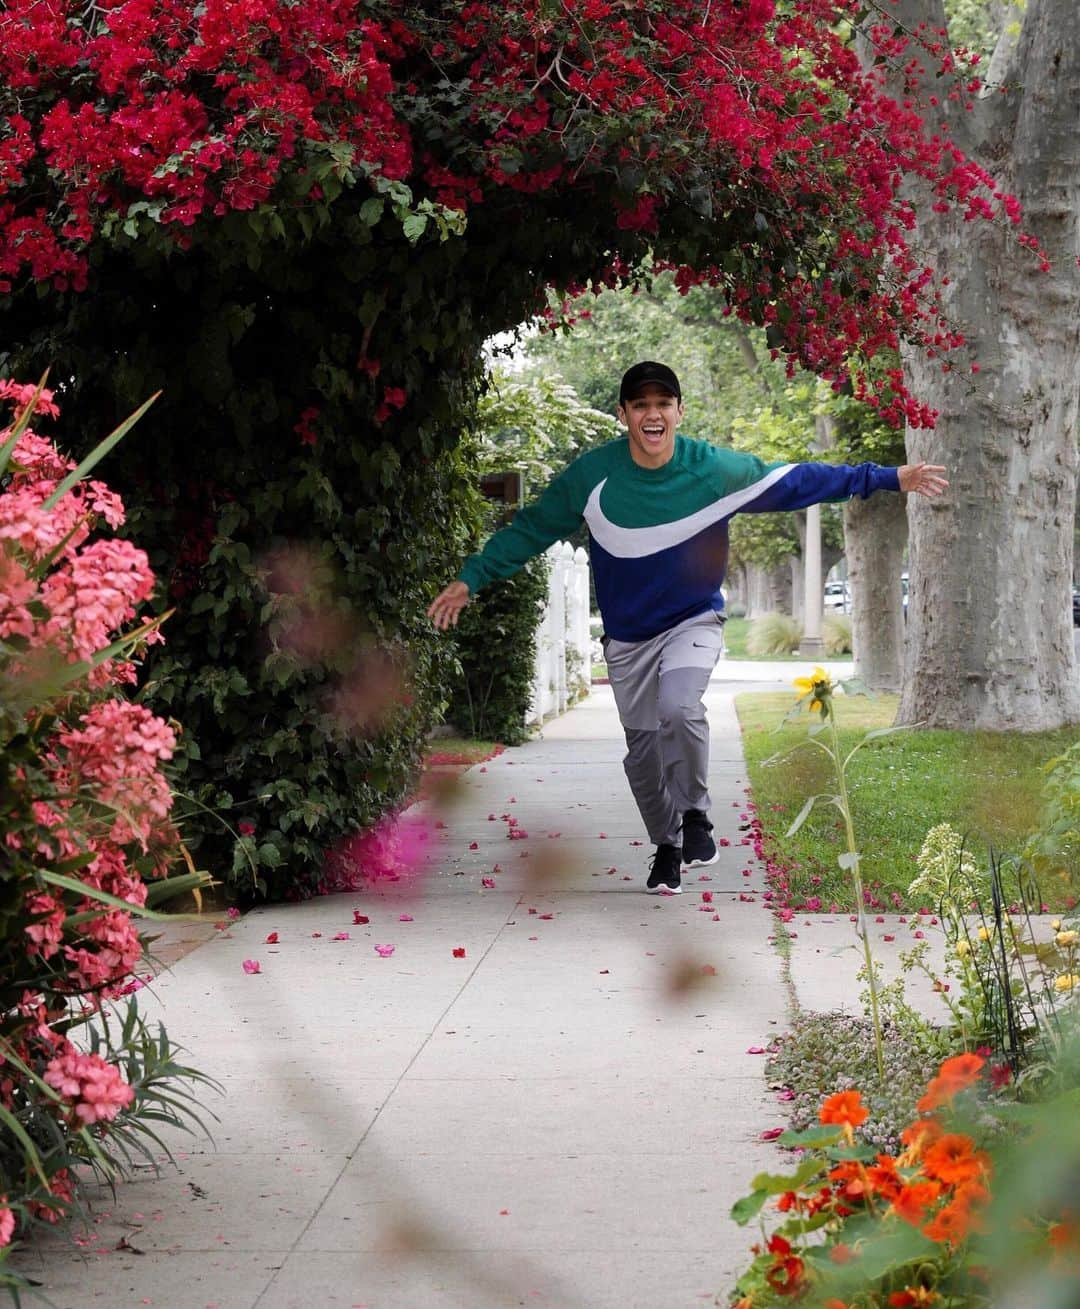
[496,641]
[773,634]
[836,635]
[535,427]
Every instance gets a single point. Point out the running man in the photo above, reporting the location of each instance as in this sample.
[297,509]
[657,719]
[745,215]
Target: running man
[657,506]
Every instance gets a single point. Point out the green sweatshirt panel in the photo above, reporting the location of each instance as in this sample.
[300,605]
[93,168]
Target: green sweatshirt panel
[555,514]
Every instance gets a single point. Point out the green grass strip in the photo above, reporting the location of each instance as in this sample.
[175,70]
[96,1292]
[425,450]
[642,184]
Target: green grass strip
[988,785]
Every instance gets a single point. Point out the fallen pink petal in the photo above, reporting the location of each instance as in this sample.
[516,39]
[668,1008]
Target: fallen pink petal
[405,918]
[384,951]
[459,952]
[272,939]
[771,1133]
[251,966]
[488,882]
[340,936]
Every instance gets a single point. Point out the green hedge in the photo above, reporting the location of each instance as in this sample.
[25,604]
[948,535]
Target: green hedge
[497,647]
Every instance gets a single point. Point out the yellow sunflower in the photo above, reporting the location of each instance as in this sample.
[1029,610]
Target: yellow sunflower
[819,687]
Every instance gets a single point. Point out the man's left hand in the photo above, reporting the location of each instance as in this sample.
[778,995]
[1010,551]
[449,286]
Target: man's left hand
[923,479]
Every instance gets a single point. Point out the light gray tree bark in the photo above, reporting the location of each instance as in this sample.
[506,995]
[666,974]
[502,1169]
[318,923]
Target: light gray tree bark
[768,590]
[875,532]
[990,641]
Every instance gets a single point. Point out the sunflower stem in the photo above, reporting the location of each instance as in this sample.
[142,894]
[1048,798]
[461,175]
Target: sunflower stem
[856,877]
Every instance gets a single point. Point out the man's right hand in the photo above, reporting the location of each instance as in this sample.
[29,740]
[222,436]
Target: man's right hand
[446,608]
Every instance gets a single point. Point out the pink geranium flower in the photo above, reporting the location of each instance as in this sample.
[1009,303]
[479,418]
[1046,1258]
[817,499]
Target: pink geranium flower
[96,1090]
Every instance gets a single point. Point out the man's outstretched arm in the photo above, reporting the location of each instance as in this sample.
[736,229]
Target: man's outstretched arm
[445,609]
[922,479]
[761,488]
[554,515]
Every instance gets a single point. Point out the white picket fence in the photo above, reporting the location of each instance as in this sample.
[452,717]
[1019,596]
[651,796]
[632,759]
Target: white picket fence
[563,657]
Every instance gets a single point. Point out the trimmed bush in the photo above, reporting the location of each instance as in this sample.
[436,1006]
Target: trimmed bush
[497,647]
[836,635]
[773,634]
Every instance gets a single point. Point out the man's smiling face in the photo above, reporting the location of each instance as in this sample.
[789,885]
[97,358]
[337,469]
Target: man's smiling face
[651,418]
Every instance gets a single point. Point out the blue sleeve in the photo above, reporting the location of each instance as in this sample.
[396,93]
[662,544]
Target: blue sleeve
[794,486]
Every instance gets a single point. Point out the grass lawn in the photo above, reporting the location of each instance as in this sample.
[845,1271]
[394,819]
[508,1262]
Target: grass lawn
[987,785]
[736,633]
[460,750]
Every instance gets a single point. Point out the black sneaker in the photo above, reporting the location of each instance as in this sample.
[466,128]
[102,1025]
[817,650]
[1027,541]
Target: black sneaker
[698,846]
[664,872]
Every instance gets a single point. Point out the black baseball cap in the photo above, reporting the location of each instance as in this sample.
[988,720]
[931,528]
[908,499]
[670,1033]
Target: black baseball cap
[644,373]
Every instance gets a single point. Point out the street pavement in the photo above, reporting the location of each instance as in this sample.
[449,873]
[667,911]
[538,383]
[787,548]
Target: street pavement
[561,1115]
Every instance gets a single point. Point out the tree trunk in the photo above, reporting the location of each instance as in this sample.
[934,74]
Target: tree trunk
[990,641]
[798,588]
[768,590]
[876,531]
[735,589]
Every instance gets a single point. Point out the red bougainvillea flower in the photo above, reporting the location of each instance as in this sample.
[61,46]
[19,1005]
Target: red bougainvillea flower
[845,1108]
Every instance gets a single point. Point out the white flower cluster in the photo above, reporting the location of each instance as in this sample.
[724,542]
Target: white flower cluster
[946,869]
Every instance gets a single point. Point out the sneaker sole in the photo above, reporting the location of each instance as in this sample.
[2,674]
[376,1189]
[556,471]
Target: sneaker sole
[702,863]
[659,890]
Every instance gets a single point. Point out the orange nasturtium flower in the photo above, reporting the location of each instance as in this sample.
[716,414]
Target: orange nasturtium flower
[954,1160]
[786,1275]
[954,1075]
[953,1223]
[846,1108]
[918,1137]
[913,1297]
[914,1199]
[962,1069]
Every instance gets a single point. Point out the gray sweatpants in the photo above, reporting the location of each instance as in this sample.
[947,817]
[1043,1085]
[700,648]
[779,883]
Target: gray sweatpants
[658,685]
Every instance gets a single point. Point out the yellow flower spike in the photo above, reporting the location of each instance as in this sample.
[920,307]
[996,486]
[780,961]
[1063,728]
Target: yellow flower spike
[1066,982]
[1067,938]
[1055,923]
[963,949]
[984,934]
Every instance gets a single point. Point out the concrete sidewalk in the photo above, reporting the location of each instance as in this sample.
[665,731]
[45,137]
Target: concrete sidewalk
[562,1117]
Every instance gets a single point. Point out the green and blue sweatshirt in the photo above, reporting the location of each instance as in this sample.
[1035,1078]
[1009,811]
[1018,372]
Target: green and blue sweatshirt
[659,536]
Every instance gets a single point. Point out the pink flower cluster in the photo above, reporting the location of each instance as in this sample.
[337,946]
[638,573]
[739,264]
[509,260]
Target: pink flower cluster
[393,852]
[95,1088]
[118,750]
[109,750]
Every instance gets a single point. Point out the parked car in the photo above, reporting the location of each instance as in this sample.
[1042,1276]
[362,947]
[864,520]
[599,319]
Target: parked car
[837,596]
